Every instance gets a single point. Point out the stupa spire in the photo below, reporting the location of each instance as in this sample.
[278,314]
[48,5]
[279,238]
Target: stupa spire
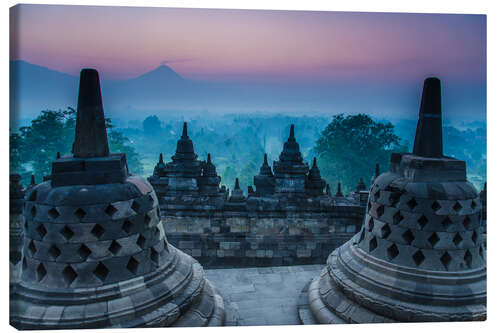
[161,158]
[209,159]
[339,191]
[429,137]
[265,160]
[32,182]
[91,139]
[292,133]
[185,130]
[237,184]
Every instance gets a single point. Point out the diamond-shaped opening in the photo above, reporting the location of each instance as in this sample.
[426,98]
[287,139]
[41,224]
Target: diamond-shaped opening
[473,204]
[110,210]
[151,199]
[466,222]
[433,239]
[468,258]
[54,214]
[141,241]
[80,213]
[127,226]
[158,212]
[84,252]
[69,275]
[412,203]
[380,211]
[418,257]
[422,221]
[408,236]
[15,257]
[32,248]
[436,206]
[481,252]
[147,219]
[41,230]
[373,244]
[370,224]
[394,198]
[377,194]
[457,206]
[385,231]
[32,196]
[54,252]
[446,260]
[457,239]
[474,236]
[396,218]
[369,206]
[135,206]
[26,226]
[133,265]
[157,233]
[97,231]
[66,232]
[155,256]
[101,271]
[25,264]
[33,212]
[446,222]
[392,251]
[40,272]
[114,247]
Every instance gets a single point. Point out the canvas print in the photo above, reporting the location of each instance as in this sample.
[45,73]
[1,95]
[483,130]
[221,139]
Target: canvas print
[211,167]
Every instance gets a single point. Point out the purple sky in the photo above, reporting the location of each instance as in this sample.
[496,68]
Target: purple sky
[290,47]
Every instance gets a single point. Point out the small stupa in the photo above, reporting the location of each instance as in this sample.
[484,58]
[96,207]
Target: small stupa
[314,183]
[290,171]
[264,181]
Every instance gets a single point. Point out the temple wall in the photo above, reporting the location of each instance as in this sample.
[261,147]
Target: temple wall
[238,239]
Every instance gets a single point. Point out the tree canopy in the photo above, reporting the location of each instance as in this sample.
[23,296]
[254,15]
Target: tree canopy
[350,146]
[33,149]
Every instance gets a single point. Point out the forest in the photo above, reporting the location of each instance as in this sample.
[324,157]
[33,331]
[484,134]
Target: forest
[347,146]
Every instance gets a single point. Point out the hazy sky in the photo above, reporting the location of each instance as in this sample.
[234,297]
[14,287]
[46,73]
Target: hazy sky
[257,46]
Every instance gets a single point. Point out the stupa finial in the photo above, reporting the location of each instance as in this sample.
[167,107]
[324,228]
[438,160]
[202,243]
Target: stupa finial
[161,158]
[265,159]
[185,130]
[209,159]
[237,184]
[91,139]
[429,137]
[292,133]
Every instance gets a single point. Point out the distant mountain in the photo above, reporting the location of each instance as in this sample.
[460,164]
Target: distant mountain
[34,88]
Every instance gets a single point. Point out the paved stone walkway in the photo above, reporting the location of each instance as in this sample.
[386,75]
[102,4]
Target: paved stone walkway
[262,296]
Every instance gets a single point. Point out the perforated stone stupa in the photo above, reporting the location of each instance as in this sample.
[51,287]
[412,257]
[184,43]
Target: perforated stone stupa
[419,255]
[95,252]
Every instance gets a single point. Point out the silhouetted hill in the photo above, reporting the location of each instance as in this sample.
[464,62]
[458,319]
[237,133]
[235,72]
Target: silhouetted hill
[34,88]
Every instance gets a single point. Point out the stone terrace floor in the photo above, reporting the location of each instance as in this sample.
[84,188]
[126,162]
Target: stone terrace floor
[262,295]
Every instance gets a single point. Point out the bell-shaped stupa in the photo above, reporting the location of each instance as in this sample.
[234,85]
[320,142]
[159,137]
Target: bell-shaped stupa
[264,181]
[95,253]
[420,254]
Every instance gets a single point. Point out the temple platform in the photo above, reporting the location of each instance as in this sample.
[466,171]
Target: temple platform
[262,295]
